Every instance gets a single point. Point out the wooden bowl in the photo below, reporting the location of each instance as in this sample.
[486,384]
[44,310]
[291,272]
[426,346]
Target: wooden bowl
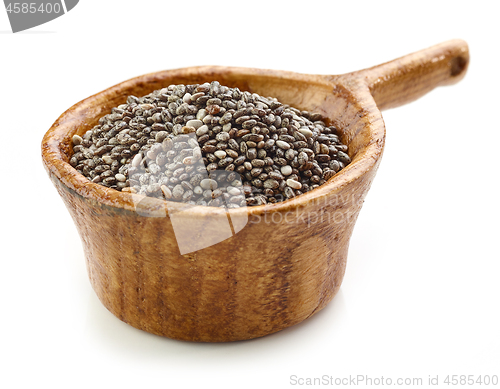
[286,260]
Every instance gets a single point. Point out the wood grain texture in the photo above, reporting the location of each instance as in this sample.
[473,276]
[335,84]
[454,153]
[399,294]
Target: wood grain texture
[289,260]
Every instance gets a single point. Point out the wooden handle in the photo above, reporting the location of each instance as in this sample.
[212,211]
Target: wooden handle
[407,78]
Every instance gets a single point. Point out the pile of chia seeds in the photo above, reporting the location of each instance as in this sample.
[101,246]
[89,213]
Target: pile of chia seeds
[210,145]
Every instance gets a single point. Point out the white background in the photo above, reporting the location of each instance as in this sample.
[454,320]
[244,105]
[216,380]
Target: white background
[421,292]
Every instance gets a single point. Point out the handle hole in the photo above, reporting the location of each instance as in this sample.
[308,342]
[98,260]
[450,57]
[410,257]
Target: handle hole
[458,65]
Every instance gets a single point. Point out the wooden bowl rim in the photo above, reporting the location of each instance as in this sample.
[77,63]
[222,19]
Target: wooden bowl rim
[351,84]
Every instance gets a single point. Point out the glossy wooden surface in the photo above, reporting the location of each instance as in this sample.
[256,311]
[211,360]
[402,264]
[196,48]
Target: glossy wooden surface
[288,261]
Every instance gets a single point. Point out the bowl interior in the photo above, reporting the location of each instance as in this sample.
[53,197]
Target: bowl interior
[350,108]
